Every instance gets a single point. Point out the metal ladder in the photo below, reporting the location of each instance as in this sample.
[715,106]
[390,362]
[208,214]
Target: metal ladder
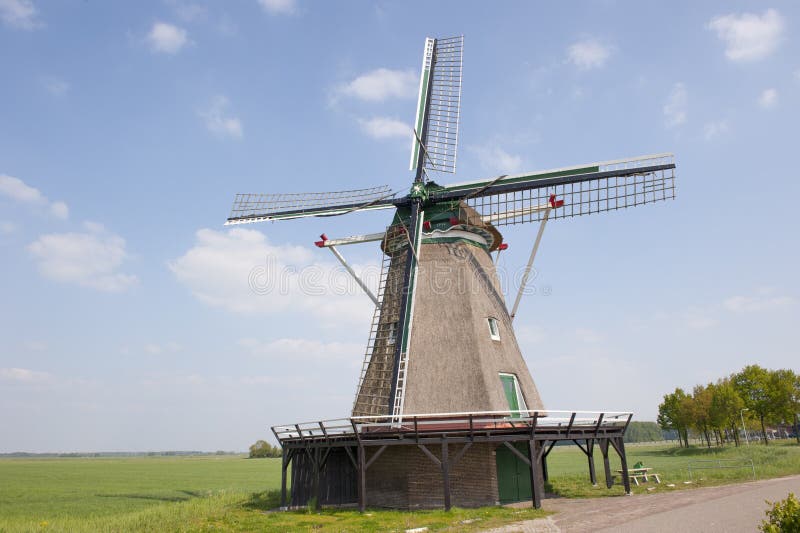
[373,387]
[400,395]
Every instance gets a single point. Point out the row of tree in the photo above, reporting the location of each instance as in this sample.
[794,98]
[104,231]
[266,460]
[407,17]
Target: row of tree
[262,448]
[717,409]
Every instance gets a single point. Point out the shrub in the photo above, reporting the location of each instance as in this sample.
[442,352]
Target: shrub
[264,449]
[784,517]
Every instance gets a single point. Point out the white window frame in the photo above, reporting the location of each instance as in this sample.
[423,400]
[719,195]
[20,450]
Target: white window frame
[494,328]
[520,398]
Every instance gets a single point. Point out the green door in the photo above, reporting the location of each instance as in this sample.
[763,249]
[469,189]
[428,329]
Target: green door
[510,389]
[513,475]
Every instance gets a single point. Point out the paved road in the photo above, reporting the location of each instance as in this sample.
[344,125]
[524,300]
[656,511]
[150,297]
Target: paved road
[728,508]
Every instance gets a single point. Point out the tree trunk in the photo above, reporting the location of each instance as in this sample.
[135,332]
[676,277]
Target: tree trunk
[764,431]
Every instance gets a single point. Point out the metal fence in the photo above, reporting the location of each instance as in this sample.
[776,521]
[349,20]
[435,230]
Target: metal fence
[720,464]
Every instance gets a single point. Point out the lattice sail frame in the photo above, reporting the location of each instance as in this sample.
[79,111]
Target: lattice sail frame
[249,208]
[439,104]
[584,190]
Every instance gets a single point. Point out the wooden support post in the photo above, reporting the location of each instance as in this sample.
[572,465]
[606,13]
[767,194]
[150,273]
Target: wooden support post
[284,464]
[537,480]
[606,466]
[619,446]
[590,456]
[446,475]
[362,479]
[316,459]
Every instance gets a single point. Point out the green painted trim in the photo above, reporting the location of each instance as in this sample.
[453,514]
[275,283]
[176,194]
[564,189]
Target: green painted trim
[527,177]
[440,240]
[412,285]
[421,107]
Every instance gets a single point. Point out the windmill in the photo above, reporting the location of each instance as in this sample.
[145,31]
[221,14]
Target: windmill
[442,366]
[441,339]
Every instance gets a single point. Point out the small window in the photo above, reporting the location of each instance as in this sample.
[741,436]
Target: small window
[494,329]
[392,337]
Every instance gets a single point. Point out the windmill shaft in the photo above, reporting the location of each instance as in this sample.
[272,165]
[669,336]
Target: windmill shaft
[427,87]
[406,304]
[506,185]
[310,212]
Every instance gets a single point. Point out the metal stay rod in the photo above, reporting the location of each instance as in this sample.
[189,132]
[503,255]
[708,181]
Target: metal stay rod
[352,272]
[355,239]
[530,262]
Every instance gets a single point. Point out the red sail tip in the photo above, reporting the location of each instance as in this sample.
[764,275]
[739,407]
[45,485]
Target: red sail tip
[555,203]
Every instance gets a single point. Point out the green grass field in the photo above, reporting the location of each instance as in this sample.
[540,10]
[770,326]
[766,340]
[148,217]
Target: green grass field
[232,493]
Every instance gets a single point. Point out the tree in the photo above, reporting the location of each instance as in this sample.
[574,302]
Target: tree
[784,394]
[675,413]
[643,432]
[700,410]
[263,448]
[753,384]
[726,405]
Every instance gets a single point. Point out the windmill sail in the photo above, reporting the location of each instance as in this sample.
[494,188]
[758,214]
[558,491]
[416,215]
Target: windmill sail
[248,208]
[584,189]
[438,106]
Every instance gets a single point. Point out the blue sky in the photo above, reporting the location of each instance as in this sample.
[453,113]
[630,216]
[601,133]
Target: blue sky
[126,315]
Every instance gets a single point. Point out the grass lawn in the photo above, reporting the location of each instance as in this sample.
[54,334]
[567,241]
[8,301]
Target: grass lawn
[231,493]
[569,471]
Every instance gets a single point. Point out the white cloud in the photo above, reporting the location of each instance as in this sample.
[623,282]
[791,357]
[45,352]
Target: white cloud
[55,86]
[495,159]
[219,122]
[59,210]
[24,375]
[381,84]
[763,301]
[19,191]
[588,54]
[242,272]
[167,38]
[302,349]
[768,98]
[90,259]
[712,130]
[20,14]
[748,36]
[675,110]
[279,7]
[385,128]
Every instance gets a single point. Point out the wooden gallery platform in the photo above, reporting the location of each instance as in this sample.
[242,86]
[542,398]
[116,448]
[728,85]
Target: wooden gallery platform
[439,460]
